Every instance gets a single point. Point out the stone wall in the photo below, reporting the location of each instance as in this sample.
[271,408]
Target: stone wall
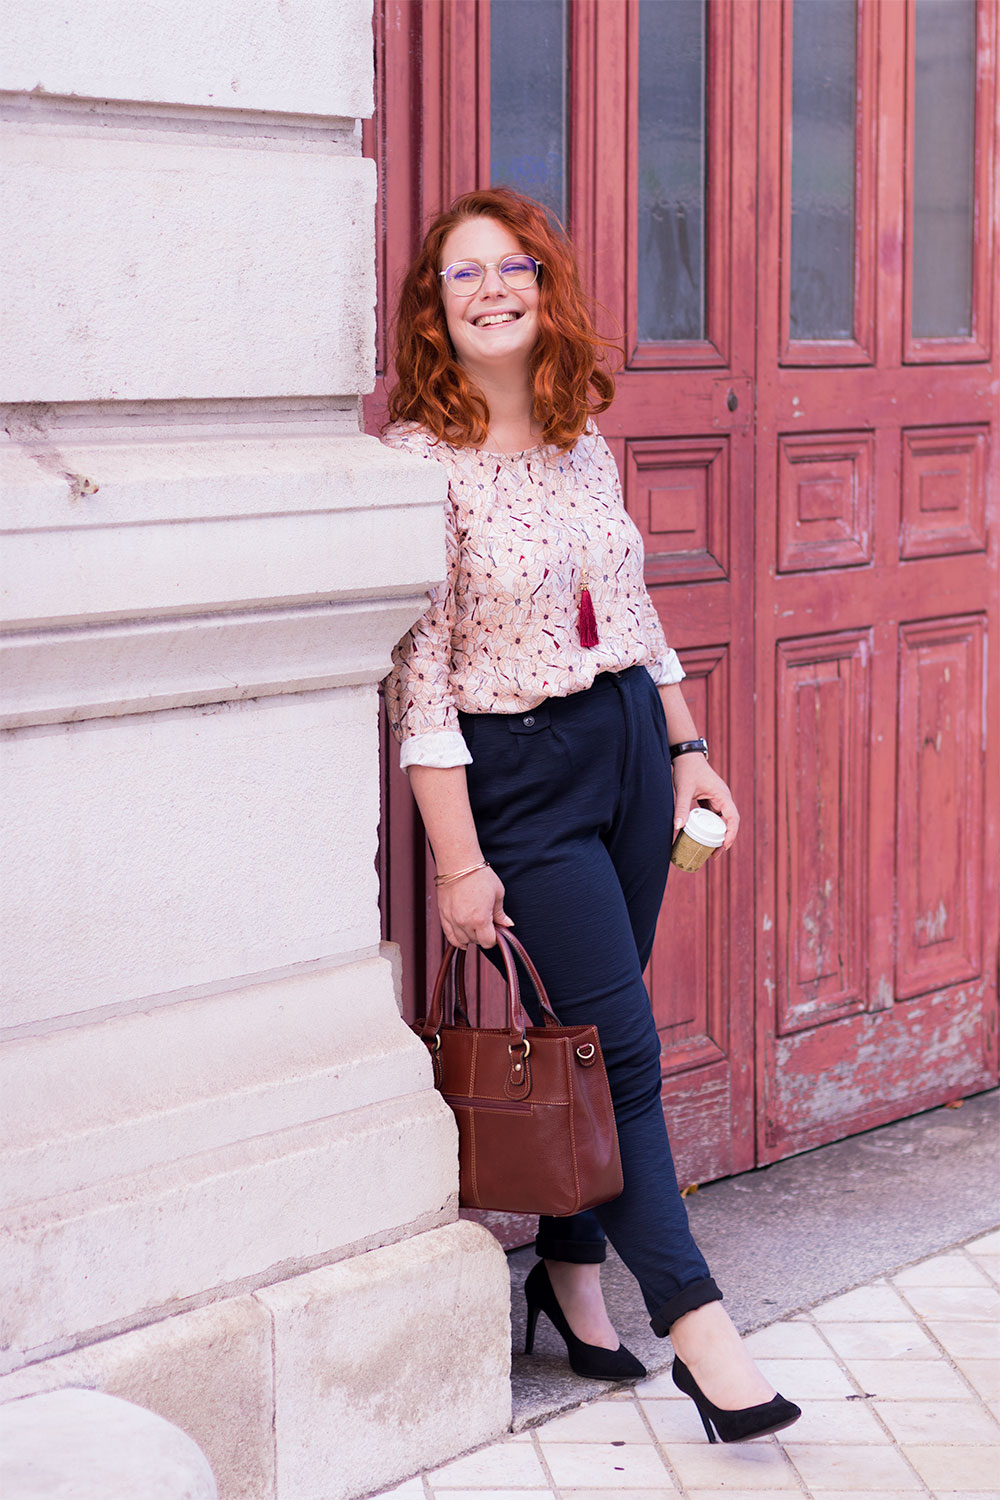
[229,1189]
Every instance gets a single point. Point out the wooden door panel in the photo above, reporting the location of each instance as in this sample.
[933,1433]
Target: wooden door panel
[944,491]
[686,973]
[940,805]
[859,1072]
[677,492]
[825,500]
[824,709]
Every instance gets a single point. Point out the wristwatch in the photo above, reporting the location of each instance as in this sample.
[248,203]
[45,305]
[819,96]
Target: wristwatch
[686,746]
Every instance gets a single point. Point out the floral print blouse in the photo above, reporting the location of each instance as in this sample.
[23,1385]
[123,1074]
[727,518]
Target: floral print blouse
[500,633]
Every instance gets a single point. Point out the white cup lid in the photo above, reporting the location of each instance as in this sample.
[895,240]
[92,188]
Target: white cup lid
[705,827]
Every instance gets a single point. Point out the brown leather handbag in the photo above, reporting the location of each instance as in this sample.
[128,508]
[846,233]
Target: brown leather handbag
[536,1128]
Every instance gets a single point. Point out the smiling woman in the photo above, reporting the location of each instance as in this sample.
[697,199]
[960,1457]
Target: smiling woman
[542,651]
[564,380]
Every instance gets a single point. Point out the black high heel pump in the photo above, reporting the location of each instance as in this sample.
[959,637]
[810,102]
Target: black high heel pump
[588,1360]
[735,1426]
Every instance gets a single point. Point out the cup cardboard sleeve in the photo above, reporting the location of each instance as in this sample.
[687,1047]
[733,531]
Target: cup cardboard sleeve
[702,834]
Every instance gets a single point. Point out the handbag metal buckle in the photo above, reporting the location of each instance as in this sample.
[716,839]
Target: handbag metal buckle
[527,1048]
[586,1052]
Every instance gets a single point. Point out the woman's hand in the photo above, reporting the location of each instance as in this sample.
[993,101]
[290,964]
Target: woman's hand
[694,782]
[472,908]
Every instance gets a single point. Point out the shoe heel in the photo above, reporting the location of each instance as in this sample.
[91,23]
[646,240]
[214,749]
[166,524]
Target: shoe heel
[529,1330]
[706,1422]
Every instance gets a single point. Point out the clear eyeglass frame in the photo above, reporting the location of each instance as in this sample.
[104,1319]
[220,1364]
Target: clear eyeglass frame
[465,277]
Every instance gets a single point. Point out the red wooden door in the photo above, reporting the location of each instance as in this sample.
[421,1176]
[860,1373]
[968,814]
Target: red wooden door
[806,442]
[876,575]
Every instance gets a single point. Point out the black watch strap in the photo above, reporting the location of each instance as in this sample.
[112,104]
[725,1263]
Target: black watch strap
[686,746]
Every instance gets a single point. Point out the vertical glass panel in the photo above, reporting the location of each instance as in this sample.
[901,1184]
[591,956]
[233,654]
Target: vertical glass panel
[528,76]
[824,148]
[671,159]
[944,107]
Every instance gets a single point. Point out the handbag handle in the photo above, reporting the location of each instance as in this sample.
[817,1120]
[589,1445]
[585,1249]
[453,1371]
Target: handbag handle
[453,959]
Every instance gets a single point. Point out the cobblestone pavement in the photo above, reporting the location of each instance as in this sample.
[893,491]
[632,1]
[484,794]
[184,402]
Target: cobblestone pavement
[899,1384]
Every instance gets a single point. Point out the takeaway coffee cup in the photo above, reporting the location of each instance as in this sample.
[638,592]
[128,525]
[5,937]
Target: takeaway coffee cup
[702,834]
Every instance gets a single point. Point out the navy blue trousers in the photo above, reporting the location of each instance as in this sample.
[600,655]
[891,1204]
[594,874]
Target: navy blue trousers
[573,804]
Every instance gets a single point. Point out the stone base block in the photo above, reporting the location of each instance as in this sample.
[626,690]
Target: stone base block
[78,1445]
[329,1385]
[208,1371]
[389,1363]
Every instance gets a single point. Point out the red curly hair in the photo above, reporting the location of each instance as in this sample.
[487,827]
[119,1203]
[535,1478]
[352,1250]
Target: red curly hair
[568,370]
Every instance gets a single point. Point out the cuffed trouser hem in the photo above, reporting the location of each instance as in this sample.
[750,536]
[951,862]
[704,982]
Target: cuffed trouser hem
[577,1252]
[684,1301]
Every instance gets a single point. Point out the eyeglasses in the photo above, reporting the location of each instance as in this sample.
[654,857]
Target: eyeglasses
[465,277]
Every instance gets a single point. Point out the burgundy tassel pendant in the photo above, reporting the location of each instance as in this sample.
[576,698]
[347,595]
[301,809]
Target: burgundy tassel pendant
[586,620]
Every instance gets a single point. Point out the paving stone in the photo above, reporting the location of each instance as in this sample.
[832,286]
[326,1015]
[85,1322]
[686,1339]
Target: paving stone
[909,1379]
[949,1465]
[878,1303]
[759,1465]
[674,1421]
[500,1464]
[990,1264]
[487,1494]
[950,1421]
[814,1379]
[597,1422]
[618,1494]
[983,1375]
[974,1304]
[661,1387]
[788,1341]
[738,1494]
[963,1495]
[837,1422]
[967,1340]
[943,1270]
[631,1466]
[880,1341]
[987,1244]
[882,1495]
[863,1469]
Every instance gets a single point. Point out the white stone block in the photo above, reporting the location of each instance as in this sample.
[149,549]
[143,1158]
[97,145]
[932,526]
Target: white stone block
[106,530]
[139,1091]
[310,57]
[209,1372]
[380,1359]
[160,853]
[119,1252]
[183,266]
[79,1445]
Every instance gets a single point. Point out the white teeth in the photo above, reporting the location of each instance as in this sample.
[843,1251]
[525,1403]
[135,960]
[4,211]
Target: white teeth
[490,320]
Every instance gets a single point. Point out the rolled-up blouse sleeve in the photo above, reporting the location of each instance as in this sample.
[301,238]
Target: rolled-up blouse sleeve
[664,664]
[418,695]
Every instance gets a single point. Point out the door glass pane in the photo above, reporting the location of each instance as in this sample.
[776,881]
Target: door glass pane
[824,145]
[528,77]
[671,159]
[943,147]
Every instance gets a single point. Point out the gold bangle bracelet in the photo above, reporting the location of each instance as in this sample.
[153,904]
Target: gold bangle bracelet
[440,880]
